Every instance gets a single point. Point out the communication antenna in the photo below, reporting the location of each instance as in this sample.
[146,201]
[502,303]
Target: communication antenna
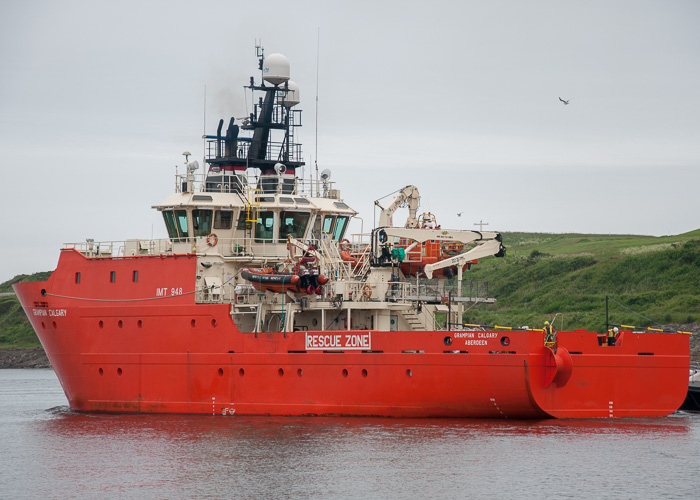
[311,180]
[260,53]
[481,225]
[204,129]
[318,45]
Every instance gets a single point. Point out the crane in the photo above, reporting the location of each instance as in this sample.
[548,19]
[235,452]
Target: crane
[408,195]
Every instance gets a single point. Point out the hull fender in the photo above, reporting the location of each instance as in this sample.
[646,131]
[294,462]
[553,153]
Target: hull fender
[559,366]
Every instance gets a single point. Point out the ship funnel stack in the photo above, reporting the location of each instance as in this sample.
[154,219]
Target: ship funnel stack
[218,138]
[231,139]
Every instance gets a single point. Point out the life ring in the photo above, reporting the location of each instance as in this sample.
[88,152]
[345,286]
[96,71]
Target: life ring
[344,245]
[212,239]
[367,291]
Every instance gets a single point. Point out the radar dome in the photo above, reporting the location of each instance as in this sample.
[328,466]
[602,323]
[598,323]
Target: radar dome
[290,98]
[275,69]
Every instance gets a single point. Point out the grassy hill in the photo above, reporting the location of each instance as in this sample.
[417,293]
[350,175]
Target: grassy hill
[650,280]
[15,330]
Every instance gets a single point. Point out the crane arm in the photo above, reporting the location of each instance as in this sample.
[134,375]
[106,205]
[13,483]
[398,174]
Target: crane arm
[482,249]
[307,249]
[409,195]
[445,235]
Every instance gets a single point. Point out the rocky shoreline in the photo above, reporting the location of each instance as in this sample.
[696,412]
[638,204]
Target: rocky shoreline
[35,357]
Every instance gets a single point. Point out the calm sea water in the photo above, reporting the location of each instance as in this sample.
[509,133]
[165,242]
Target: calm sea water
[47,451]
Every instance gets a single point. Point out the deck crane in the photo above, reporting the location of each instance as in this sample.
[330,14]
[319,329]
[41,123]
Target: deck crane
[408,195]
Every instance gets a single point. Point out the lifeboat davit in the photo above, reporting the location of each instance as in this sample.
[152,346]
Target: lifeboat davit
[419,255]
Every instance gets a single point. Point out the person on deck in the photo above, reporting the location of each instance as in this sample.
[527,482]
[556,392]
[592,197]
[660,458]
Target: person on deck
[549,334]
[612,335]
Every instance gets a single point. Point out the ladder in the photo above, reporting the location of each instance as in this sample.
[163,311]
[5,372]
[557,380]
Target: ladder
[252,208]
[414,321]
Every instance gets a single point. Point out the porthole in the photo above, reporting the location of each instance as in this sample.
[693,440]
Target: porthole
[448,340]
[241,372]
[280,372]
[409,372]
[300,372]
[53,323]
[364,372]
[101,371]
[102,324]
[213,323]
[505,341]
[120,323]
[139,323]
[345,372]
[193,323]
[119,371]
[221,372]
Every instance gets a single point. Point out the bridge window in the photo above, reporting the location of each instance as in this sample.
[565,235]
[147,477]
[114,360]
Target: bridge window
[176,223]
[201,222]
[170,224]
[223,219]
[339,230]
[181,218]
[293,223]
[328,224]
[264,227]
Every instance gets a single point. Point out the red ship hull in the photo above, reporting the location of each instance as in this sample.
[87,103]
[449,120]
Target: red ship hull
[127,336]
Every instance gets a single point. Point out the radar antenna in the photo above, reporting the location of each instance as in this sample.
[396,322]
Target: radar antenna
[325,177]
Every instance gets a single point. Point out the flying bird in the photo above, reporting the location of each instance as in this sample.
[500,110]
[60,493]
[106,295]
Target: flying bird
[460,214]
[565,102]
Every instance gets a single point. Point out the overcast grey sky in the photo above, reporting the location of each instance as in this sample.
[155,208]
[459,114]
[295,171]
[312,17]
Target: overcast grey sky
[99,99]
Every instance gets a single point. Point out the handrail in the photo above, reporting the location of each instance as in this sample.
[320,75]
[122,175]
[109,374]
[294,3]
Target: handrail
[234,183]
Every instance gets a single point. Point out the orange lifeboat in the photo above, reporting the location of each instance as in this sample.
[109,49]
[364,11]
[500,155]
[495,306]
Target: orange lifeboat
[418,255]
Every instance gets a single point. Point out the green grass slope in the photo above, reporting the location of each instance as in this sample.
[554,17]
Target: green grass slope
[15,330]
[651,280]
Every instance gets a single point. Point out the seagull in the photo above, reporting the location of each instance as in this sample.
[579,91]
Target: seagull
[460,214]
[565,102]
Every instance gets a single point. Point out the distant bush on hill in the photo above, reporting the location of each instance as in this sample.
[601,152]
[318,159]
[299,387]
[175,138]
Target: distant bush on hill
[6,287]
